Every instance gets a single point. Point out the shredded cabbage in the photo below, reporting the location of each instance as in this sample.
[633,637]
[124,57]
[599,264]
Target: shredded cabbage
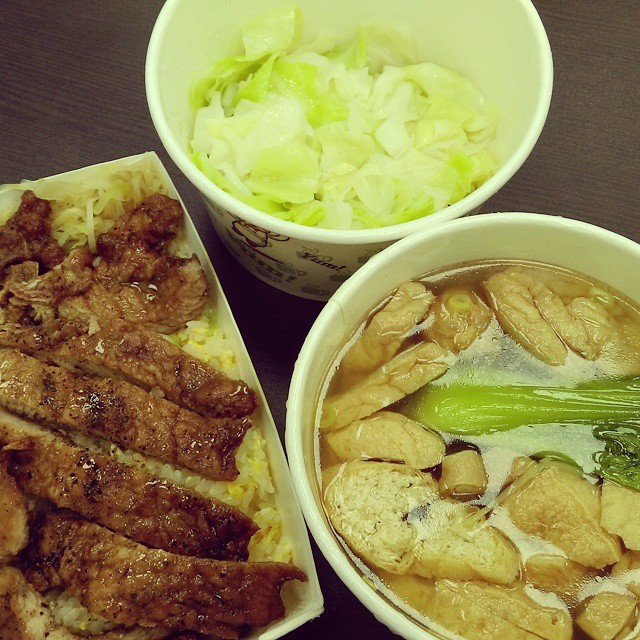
[342,136]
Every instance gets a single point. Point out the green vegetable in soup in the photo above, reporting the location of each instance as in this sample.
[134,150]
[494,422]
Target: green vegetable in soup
[611,407]
[620,460]
[475,410]
[556,456]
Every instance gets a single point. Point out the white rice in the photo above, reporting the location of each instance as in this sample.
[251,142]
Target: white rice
[69,612]
[205,340]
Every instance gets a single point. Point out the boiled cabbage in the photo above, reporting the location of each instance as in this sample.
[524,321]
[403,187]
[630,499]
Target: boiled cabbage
[342,136]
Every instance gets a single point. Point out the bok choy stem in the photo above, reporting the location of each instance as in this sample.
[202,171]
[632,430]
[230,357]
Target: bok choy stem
[611,407]
[476,410]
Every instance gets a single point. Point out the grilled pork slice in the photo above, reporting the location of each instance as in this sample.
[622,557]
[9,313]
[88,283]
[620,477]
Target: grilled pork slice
[27,235]
[76,290]
[15,274]
[13,428]
[35,340]
[72,277]
[145,358]
[127,583]
[151,224]
[133,276]
[135,250]
[25,616]
[154,512]
[177,293]
[13,517]
[126,350]
[122,413]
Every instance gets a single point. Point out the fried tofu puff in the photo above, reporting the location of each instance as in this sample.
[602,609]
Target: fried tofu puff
[392,517]
[556,503]
[390,436]
[549,318]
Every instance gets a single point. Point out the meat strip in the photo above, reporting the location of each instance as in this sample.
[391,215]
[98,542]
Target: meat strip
[25,616]
[32,320]
[16,274]
[176,295]
[139,356]
[127,583]
[36,340]
[133,276]
[138,278]
[122,413]
[145,358]
[23,613]
[152,224]
[78,290]
[151,511]
[27,235]
[13,429]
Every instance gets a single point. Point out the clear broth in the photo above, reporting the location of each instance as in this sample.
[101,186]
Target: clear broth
[494,359]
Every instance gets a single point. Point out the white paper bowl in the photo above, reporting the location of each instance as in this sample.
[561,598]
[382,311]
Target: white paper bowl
[500,45]
[593,251]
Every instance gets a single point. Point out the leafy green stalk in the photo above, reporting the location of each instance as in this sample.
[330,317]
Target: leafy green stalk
[476,410]
[620,460]
[611,407]
[556,456]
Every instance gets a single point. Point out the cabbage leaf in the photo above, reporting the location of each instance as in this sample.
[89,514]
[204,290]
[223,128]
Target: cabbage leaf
[348,135]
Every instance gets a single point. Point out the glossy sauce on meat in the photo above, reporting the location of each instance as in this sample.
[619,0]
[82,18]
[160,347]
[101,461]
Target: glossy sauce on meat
[82,354]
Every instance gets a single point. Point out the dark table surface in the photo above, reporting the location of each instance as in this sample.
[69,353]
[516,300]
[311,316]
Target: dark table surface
[72,94]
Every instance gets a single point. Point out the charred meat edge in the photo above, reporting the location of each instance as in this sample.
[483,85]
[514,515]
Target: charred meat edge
[146,509]
[122,413]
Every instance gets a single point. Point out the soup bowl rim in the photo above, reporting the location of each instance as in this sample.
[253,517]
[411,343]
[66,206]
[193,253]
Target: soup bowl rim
[328,542]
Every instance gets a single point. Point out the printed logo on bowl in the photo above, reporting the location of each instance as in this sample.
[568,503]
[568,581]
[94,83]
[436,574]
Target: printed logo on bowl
[313,255]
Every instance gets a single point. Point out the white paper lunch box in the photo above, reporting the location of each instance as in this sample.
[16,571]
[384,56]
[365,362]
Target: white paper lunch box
[303,601]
